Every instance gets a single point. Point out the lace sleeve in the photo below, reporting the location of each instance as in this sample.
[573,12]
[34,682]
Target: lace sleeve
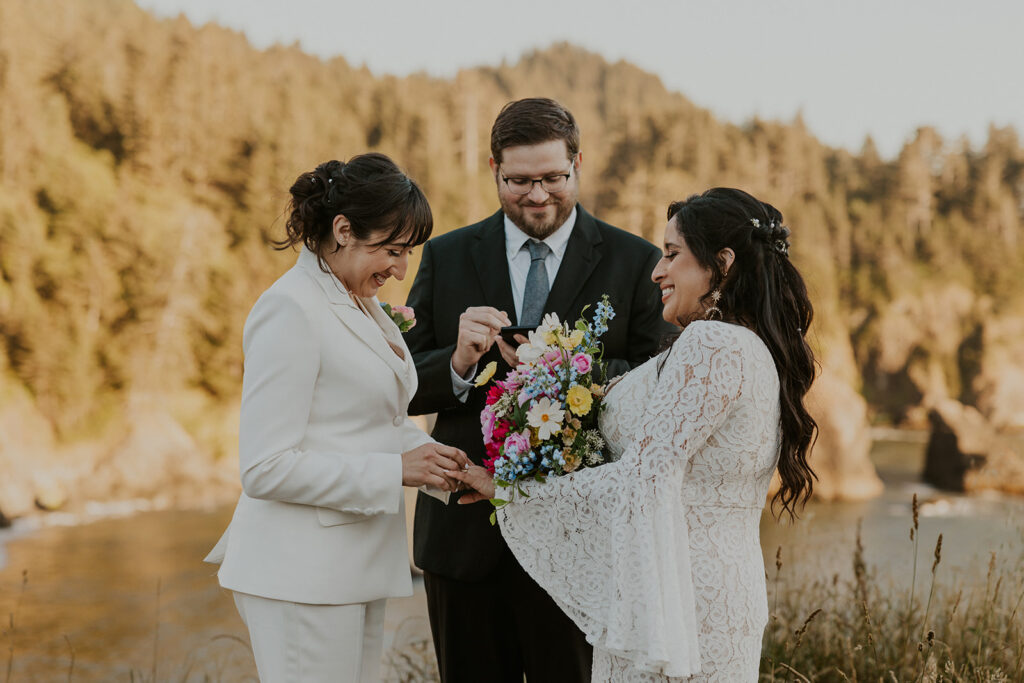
[610,544]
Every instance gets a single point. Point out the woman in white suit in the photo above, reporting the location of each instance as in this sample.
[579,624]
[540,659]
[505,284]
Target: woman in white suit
[317,541]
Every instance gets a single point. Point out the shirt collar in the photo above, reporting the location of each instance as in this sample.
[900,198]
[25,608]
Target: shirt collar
[557,241]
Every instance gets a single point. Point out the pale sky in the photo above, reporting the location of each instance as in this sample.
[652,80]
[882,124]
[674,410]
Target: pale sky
[853,68]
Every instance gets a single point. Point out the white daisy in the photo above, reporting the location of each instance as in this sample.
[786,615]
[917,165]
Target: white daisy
[546,417]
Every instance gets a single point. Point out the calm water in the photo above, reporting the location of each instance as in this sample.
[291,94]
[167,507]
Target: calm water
[821,543]
[129,595]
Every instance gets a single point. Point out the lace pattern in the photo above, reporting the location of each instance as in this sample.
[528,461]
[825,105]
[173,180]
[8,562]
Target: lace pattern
[656,556]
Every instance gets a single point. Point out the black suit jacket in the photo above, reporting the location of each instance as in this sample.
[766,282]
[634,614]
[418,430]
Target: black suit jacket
[468,267]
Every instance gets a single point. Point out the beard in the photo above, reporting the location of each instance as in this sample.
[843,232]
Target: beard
[538,226]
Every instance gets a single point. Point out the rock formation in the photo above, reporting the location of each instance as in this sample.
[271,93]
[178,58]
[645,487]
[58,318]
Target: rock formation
[152,458]
[966,453]
[840,456]
[999,384]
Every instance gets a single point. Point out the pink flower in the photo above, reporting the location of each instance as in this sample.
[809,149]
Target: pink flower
[523,397]
[513,382]
[494,393]
[406,312]
[553,358]
[493,456]
[520,441]
[582,363]
[501,430]
[403,316]
[487,420]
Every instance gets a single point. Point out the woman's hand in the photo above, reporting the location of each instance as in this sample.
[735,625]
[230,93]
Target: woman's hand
[432,464]
[478,479]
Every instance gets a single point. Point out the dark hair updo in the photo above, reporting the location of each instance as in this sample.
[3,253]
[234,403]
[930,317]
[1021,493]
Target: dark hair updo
[380,202]
[764,292]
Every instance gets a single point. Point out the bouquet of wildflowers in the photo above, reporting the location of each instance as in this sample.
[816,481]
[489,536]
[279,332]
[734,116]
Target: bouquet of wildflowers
[542,418]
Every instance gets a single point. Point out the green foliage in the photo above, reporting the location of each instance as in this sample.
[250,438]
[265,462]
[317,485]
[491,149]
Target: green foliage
[143,174]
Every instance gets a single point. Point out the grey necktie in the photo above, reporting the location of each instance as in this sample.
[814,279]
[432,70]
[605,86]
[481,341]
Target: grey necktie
[535,294]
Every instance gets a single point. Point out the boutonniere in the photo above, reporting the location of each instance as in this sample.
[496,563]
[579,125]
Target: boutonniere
[403,316]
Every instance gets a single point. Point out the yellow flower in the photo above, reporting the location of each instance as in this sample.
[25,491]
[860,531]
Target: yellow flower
[571,340]
[486,374]
[568,436]
[597,390]
[580,400]
[550,337]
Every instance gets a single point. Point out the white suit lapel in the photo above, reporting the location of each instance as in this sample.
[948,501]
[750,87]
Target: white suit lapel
[407,373]
[374,333]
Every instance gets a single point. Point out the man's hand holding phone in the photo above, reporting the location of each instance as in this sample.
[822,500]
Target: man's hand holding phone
[479,327]
[511,337]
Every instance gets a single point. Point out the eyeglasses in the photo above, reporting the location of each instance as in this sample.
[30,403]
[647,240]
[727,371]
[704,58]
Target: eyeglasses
[553,183]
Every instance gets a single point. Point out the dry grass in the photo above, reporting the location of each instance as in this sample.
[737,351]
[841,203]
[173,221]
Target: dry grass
[864,629]
[861,629]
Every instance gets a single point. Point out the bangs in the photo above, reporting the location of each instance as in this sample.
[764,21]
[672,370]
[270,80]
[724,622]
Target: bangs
[413,221]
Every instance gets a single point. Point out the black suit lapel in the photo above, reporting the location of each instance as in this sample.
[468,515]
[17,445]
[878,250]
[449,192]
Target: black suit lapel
[492,265]
[580,260]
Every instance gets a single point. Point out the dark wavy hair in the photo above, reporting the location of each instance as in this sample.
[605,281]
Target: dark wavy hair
[532,121]
[380,202]
[764,292]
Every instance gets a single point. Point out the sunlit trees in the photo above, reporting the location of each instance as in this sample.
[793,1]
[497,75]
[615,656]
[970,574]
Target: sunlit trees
[144,166]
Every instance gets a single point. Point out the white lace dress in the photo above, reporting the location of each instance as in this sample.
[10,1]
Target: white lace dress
[656,556]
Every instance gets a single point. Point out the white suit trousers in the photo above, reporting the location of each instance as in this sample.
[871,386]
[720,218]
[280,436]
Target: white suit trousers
[298,643]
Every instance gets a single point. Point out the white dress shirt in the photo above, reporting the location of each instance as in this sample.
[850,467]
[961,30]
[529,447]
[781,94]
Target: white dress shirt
[518,268]
[519,258]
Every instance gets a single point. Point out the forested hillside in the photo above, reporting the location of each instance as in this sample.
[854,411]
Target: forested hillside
[144,166]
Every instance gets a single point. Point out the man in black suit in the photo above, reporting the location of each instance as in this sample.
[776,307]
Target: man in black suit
[542,252]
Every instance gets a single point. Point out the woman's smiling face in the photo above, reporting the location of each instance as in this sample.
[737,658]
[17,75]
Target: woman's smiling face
[363,266]
[682,280]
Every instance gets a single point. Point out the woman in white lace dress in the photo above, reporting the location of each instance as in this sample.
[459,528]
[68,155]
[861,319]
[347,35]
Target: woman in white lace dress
[656,556]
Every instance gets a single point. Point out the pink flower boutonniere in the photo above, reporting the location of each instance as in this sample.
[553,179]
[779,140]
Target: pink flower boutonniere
[403,316]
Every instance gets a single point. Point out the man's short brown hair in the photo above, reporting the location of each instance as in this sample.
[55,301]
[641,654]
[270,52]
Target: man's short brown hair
[532,121]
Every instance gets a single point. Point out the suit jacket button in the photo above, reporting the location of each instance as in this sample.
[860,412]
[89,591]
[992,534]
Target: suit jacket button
[398,420]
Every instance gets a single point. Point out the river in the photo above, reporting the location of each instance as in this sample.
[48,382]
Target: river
[128,598]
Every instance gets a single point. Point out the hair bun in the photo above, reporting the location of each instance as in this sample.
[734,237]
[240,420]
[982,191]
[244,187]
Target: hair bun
[327,177]
[331,171]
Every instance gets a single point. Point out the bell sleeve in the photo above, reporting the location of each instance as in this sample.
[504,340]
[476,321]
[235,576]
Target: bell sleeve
[610,544]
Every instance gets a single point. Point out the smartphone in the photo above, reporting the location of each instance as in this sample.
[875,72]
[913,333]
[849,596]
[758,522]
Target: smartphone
[509,333]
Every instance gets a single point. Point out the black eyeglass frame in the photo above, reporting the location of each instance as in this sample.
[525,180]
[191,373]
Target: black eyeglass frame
[533,181]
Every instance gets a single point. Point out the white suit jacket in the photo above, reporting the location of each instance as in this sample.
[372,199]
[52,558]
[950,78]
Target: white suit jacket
[323,424]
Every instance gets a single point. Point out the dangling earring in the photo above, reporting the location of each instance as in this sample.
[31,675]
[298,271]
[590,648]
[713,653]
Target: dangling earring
[714,310]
